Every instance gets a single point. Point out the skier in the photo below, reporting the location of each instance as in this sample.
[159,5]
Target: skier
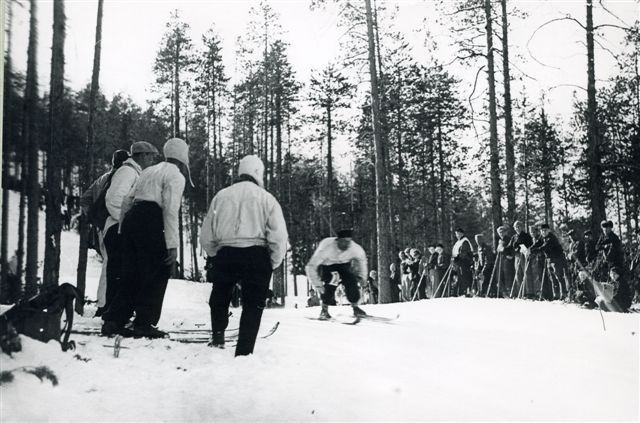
[245,237]
[149,226]
[610,245]
[506,270]
[338,260]
[519,244]
[484,264]
[555,262]
[615,294]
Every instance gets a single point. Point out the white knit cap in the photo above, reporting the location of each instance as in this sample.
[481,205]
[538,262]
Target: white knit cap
[252,166]
[178,149]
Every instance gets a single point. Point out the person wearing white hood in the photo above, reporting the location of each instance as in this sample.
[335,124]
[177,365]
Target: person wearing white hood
[245,237]
[149,228]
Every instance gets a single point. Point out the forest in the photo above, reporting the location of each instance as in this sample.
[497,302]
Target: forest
[426,155]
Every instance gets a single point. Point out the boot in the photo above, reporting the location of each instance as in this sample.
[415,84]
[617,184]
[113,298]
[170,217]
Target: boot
[324,313]
[217,340]
[357,311]
[148,331]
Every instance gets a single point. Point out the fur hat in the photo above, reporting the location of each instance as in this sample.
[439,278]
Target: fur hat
[606,224]
[252,166]
[178,149]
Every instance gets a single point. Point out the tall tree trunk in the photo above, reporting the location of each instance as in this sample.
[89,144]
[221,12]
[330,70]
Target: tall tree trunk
[496,191]
[55,154]
[403,201]
[597,198]
[444,221]
[31,137]
[508,120]
[5,289]
[88,170]
[329,169]
[176,88]
[382,191]
[432,178]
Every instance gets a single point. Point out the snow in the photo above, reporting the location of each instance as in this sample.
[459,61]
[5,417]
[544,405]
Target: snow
[470,359]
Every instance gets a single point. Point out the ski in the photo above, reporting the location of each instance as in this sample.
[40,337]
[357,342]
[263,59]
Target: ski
[228,338]
[345,321]
[380,319]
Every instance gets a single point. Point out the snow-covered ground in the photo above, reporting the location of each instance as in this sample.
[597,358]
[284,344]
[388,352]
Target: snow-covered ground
[466,359]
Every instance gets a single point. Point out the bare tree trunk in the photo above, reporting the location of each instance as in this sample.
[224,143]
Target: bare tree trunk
[382,191]
[508,120]
[329,168]
[496,191]
[444,226]
[55,156]
[5,289]
[597,198]
[88,171]
[31,137]
[176,87]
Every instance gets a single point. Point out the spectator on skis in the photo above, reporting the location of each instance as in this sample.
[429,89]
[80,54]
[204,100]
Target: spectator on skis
[149,226]
[90,197]
[432,270]
[519,245]
[556,264]
[484,263]
[506,269]
[610,245]
[590,252]
[536,261]
[443,263]
[337,261]
[615,294]
[462,260]
[245,237]
[394,279]
[313,299]
[415,273]
[372,282]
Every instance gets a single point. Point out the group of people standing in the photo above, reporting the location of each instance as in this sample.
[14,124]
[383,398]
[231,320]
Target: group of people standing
[531,265]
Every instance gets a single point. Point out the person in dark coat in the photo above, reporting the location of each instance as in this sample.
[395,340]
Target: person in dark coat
[432,270]
[518,244]
[444,261]
[484,262]
[590,252]
[536,262]
[611,246]
[394,279]
[556,264]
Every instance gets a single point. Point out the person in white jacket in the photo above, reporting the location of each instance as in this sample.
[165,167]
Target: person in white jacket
[338,260]
[149,230]
[143,155]
[245,237]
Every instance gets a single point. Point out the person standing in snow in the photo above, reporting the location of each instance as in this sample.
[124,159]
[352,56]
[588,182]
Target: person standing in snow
[556,263]
[462,260]
[245,237]
[519,244]
[337,261]
[149,227]
[90,197]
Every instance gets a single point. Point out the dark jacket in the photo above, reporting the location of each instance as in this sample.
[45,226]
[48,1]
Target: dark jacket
[590,252]
[523,238]
[550,246]
[433,261]
[612,247]
[577,252]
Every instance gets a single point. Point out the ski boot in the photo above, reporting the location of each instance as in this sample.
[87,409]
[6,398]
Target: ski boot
[217,340]
[357,311]
[324,313]
[148,331]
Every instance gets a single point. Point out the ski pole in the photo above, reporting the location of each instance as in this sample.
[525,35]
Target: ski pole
[418,287]
[441,280]
[493,272]
[544,273]
[499,291]
[524,279]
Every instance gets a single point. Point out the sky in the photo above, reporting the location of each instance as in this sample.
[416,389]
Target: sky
[132,30]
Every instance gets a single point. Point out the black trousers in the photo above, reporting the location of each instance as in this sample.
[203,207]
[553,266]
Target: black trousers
[144,274]
[347,278]
[114,264]
[251,268]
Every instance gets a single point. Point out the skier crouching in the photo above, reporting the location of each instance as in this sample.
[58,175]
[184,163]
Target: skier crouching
[338,260]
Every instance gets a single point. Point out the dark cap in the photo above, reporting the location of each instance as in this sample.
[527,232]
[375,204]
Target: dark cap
[119,157]
[459,229]
[344,226]
[544,226]
[606,224]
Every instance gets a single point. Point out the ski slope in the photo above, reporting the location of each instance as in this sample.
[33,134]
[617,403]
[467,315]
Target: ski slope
[464,359]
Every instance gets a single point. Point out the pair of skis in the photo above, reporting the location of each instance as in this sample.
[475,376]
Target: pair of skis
[354,320]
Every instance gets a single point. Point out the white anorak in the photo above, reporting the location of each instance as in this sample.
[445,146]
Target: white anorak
[245,215]
[162,184]
[121,183]
[328,253]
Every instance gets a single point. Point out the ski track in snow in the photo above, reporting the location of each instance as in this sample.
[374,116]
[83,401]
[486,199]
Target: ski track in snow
[469,359]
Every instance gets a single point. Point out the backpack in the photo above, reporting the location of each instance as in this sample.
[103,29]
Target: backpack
[98,212]
[39,317]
